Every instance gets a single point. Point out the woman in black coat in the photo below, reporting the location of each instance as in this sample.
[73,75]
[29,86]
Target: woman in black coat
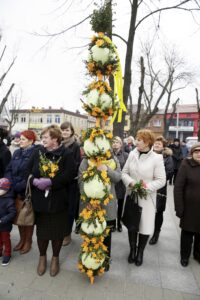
[69,141]
[161,197]
[120,188]
[50,194]
[5,155]
[187,205]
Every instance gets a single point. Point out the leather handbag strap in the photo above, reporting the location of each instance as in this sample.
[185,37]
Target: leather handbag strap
[28,187]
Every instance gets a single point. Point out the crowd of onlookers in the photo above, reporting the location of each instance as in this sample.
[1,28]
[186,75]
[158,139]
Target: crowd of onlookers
[56,196]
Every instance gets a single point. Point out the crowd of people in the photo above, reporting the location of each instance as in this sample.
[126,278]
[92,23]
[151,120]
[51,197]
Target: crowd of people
[56,197]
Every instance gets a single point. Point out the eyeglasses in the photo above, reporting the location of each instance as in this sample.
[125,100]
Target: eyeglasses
[196,151]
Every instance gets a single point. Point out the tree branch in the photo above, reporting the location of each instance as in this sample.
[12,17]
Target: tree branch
[120,37]
[178,6]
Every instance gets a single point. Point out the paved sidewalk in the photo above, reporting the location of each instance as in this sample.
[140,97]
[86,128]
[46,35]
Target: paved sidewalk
[161,276]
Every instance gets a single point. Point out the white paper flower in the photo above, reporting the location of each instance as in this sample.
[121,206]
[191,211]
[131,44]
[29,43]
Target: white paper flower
[95,188]
[92,97]
[94,229]
[105,101]
[100,54]
[90,262]
[92,149]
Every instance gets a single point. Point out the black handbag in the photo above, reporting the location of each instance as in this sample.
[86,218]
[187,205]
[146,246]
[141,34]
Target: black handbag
[131,213]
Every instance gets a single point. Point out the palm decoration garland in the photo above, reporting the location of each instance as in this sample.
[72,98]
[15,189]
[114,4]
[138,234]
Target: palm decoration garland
[101,102]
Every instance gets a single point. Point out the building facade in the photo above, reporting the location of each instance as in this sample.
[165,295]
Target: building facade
[36,119]
[184,123]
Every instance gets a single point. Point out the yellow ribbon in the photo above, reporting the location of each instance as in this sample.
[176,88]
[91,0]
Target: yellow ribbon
[118,86]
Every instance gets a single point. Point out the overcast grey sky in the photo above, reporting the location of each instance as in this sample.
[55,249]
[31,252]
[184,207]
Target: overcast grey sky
[55,76]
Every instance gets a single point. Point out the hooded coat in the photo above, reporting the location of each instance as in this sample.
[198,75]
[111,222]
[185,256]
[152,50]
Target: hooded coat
[148,167]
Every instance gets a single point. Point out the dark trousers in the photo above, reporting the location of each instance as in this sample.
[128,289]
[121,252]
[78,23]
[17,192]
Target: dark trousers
[119,210]
[5,243]
[187,238]
[158,220]
[73,207]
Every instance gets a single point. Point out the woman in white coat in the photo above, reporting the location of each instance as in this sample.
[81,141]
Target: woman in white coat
[143,164]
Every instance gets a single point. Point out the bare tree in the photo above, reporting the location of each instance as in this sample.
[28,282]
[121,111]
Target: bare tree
[180,78]
[3,76]
[13,104]
[146,10]
[149,96]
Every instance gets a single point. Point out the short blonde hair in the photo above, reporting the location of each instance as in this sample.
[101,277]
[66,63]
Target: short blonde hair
[118,139]
[146,135]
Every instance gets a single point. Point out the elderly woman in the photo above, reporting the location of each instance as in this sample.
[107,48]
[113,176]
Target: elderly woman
[187,204]
[120,189]
[50,194]
[17,172]
[146,165]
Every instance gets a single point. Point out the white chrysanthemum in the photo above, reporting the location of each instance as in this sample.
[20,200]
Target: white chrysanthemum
[94,229]
[92,97]
[100,54]
[92,149]
[90,262]
[105,100]
[95,188]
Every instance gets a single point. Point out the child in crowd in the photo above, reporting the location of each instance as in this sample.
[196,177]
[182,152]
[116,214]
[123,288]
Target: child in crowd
[7,214]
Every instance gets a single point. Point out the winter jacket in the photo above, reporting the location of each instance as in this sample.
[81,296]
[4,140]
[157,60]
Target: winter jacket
[115,176]
[17,171]
[169,169]
[7,212]
[177,155]
[186,195]
[58,196]
[120,187]
[5,157]
[148,167]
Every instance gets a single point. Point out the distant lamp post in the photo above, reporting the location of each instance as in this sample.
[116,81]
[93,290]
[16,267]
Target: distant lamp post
[177,123]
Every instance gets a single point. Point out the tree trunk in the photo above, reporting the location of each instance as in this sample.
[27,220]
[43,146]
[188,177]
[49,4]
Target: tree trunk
[118,128]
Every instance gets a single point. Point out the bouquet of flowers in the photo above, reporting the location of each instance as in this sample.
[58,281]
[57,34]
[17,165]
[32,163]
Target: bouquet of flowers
[140,189]
[48,168]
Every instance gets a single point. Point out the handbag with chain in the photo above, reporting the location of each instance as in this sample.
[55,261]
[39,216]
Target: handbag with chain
[132,212]
[26,215]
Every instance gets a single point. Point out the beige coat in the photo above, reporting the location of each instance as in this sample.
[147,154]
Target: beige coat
[149,168]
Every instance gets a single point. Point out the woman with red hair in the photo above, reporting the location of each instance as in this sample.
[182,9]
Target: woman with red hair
[17,173]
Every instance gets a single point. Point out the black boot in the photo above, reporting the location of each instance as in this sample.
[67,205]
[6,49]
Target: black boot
[132,236]
[141,245]
[154,238]
[196,247]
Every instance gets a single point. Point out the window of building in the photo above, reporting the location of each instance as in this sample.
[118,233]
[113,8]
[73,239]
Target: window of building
[156,123]
[57,119]
[190,123]
[23,119]
[49,119]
